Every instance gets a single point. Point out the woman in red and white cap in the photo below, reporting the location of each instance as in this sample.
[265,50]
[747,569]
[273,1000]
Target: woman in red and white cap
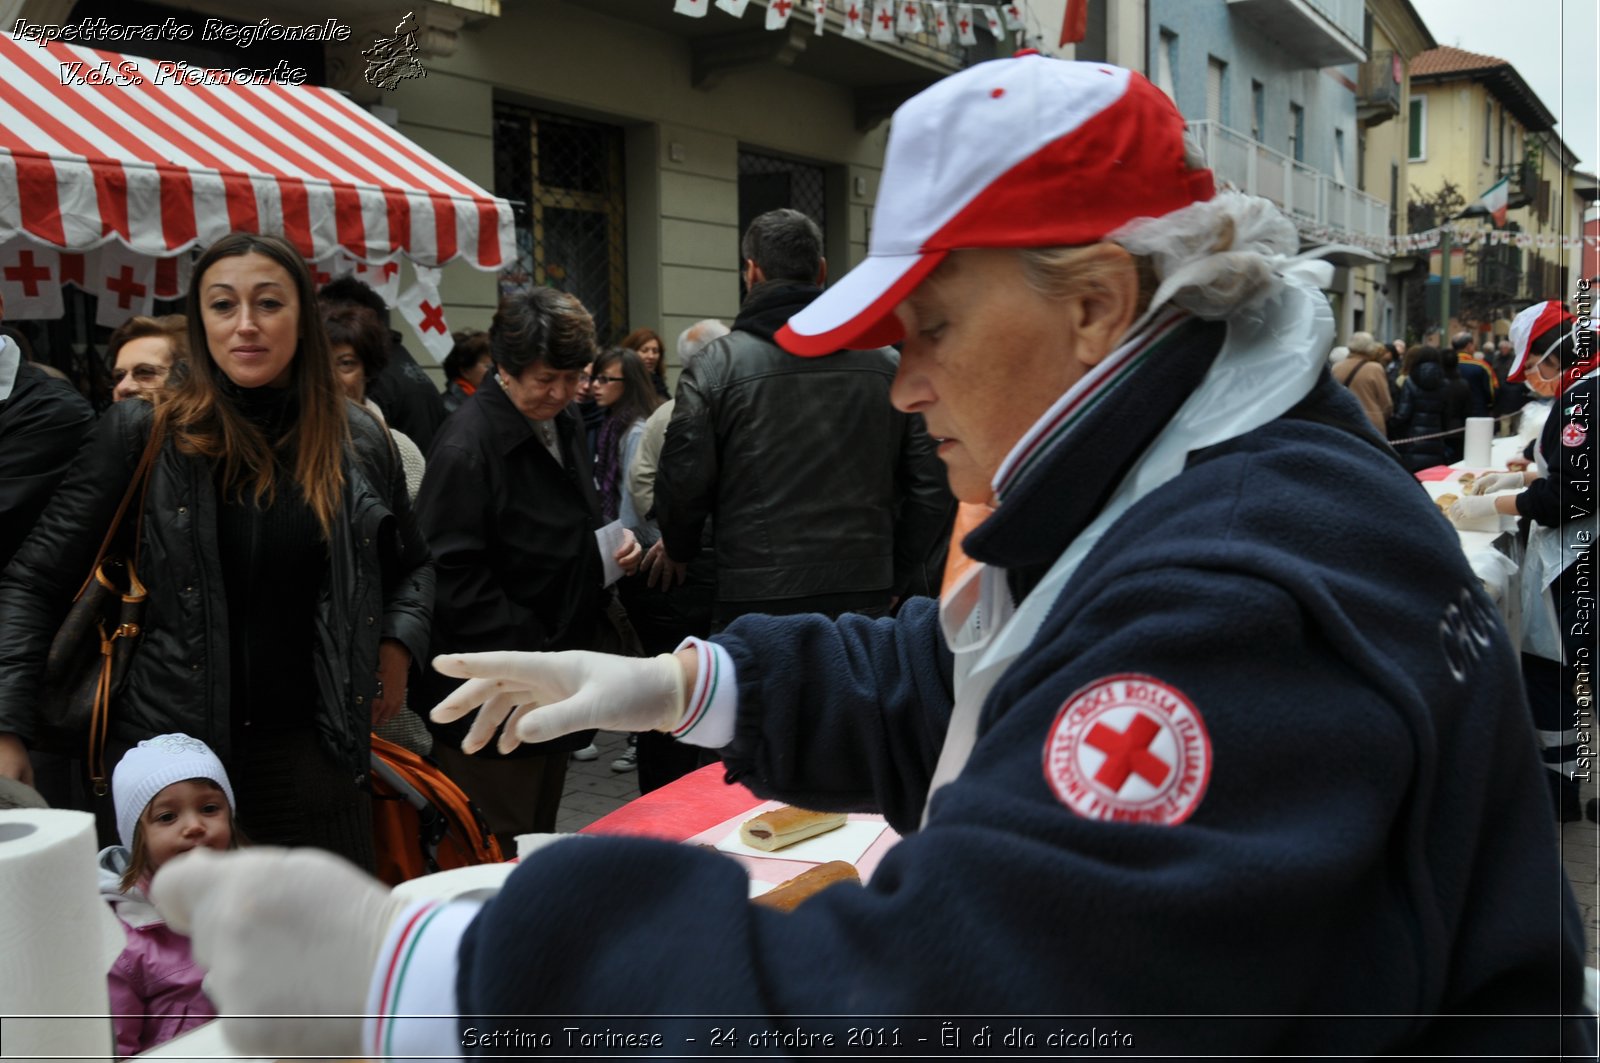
[1217,726]
[1554,354]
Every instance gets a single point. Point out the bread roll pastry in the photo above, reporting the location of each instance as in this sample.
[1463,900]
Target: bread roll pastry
[786,896]
[784,826]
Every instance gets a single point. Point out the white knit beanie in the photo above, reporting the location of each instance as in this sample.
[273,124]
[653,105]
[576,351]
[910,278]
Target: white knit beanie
[155,764]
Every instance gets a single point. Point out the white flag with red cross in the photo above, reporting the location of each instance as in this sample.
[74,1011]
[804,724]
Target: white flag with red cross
[733,7]
[992,17]
[909,18]
[966,33]
[819,16]
[124,281]
[778,12]
[421,306]
[1015,20]
[381,277]
[855,19]
[692,8]
[30,282]
[172,276]
[941,21]
[883,20]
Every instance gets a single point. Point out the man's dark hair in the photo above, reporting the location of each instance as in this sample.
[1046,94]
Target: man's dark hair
[471,345]
[348,289]
[785,245]
[1461,342]
[541,325]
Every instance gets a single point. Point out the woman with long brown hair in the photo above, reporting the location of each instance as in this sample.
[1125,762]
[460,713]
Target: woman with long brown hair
[289,589]
[646,343]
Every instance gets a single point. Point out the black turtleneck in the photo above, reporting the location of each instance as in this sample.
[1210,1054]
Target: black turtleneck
[273,560]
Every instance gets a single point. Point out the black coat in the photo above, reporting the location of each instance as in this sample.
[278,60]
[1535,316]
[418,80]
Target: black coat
[818,485]
[512,534]
[409,400]
[1421,411]
[378,585]
[42,423]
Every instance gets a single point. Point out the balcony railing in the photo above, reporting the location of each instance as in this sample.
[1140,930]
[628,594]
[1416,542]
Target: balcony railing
[1316,32]
[1378,88]
[1305,193]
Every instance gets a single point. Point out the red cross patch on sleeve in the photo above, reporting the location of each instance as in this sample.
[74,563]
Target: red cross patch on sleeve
[1129,749]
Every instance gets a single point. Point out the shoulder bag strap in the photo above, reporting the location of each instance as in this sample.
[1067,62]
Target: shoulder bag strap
[140,483]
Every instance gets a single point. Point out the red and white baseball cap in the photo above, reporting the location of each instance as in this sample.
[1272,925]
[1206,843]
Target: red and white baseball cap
[1020,152]
[1528,326]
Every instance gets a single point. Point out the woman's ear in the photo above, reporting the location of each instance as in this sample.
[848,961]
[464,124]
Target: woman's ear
[1101,313]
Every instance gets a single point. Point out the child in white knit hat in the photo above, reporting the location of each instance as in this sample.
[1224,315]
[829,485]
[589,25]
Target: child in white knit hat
[171,795]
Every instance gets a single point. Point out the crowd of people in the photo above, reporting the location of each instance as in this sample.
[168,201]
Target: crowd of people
[1175,737]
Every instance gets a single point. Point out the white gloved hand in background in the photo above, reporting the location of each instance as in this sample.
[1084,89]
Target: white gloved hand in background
[1489,483]
[289,939]
[1471,508]
[557,693]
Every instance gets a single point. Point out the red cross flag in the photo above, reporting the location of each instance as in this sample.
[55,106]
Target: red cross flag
[382,277]
[124,280]
[1014,16]
[819,15]
[172,276]
[421,306]
[992,17]
[30,282]
[855,19]
[778,12]
[692,8]
[909,17]
[733,7]
[941,22]
[883,20]
[964,28]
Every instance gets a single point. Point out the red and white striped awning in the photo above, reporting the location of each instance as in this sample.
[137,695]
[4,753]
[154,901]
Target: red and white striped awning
[162,166]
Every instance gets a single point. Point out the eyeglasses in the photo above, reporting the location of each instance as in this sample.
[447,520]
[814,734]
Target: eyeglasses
[607,379]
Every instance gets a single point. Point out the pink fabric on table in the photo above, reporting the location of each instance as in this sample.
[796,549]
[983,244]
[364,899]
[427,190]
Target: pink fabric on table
[680,809]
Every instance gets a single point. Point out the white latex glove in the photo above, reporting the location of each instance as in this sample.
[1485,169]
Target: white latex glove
[1471,508]
[572,690]
[289,939]
[1489,483]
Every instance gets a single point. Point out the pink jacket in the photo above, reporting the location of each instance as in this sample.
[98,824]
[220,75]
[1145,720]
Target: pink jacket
[155,983]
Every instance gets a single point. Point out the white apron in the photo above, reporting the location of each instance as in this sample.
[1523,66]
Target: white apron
[1268,363]
[1549,551]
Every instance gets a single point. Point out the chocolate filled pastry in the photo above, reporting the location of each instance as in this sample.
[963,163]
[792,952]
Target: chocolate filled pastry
[786,896]
[784,826]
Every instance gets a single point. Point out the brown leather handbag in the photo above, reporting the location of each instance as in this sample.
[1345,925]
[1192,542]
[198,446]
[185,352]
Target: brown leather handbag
[89,656]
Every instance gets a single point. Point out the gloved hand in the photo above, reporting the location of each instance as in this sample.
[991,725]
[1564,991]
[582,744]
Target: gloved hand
[289,939]
[557,693]
[1471,508]
[1489,483]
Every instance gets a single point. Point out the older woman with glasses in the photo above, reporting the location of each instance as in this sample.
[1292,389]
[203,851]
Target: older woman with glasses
[1557,360]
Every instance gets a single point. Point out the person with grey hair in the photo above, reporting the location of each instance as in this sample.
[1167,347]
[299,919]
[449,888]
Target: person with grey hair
[642,475]
[1220,723]
[1362,372]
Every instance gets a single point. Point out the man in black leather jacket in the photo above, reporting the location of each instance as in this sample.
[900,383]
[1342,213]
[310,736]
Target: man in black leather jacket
[826,498]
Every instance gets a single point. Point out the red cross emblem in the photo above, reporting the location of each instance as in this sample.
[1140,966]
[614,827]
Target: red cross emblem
[963,26]
[1573,435]
[883,17]
[432,318]
[125,287]
[911,11]
[854,14]
[1014,13]
[1129,749]
[319,278]
[782,7]
[27,274]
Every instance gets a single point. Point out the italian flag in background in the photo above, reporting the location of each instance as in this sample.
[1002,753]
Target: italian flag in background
[1494,200]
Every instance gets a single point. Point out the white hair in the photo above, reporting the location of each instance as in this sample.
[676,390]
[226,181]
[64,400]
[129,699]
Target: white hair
[1216,257]
[692,340]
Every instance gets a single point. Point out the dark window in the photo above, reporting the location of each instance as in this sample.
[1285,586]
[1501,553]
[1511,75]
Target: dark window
[563,177]
[769,183]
